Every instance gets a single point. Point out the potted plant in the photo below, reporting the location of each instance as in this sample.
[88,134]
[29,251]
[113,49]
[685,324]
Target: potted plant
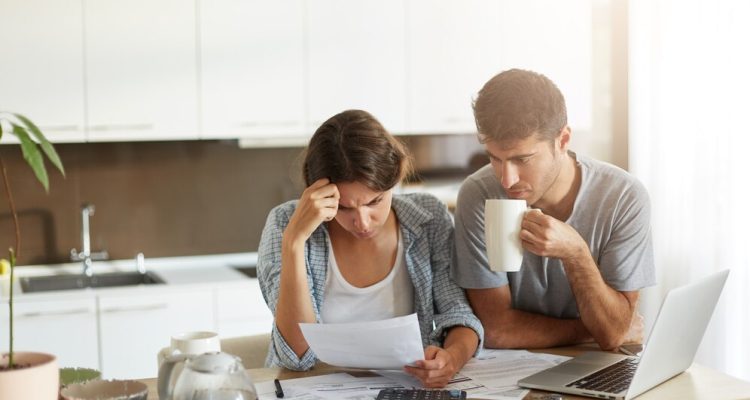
[27,375]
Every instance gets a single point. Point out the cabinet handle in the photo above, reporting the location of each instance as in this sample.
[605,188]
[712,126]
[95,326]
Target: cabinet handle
[122,127]
[60,128]
[37,314]
[455,120]
[149,307]
[252,124]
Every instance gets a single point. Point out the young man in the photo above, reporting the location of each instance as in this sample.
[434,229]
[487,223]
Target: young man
[587,238]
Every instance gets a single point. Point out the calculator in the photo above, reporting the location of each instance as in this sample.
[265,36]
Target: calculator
[421,394]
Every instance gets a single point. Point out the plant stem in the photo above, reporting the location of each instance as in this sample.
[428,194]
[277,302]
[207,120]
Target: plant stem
[10,306]
[12,205]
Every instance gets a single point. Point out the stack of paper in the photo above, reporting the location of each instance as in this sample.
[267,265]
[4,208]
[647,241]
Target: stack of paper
[391,344]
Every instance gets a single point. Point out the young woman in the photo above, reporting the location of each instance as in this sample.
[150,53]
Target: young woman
[350,250]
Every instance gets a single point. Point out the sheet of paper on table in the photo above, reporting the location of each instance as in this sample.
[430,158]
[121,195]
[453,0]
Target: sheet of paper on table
[332,386]
[500,370]
[386,344]
[492,374]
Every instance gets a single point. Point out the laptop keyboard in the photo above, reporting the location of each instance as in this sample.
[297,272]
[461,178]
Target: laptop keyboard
[612,379]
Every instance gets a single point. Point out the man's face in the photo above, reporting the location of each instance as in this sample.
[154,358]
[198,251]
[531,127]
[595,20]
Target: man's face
[362,212]
[526,168]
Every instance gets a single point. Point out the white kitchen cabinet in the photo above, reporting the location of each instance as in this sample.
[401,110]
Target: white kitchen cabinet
[271,72]
[141,73]
[134,327]
[64,327]
[41,73]
[242,311]
[553,38]
[252,68]
[453,48]
[356,58]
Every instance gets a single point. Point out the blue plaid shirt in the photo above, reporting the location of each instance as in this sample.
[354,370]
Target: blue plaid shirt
[427,233]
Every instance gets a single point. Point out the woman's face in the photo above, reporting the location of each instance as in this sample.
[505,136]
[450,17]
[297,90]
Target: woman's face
[362,212]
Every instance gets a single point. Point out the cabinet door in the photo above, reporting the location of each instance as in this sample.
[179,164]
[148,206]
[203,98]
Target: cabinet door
[252,68]
[141,70]
[41,73]
[356,60]
[553,38]
[453,48]
[65,328]
[242,311]
[135,327]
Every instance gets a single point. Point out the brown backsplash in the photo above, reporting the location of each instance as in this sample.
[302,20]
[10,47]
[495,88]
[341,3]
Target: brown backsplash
[159,198]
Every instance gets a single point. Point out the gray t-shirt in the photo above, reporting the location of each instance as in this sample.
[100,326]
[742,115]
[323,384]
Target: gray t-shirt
[611,213]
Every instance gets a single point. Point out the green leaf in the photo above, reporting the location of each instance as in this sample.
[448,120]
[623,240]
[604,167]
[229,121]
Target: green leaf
[32,155]
[1,130]
[43,142]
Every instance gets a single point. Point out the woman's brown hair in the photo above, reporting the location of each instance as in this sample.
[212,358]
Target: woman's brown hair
[353,146]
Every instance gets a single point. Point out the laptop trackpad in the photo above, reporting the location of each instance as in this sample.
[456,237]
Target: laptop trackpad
[587,363]
[579,369]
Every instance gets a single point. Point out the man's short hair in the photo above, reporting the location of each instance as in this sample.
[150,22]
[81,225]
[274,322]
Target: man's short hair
[516,104]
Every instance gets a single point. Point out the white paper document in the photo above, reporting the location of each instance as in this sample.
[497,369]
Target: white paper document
[500,370]
[332,386]
[386,344]
[492,374]
[459,381]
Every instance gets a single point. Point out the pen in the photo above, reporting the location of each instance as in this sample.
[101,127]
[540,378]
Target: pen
[279,391]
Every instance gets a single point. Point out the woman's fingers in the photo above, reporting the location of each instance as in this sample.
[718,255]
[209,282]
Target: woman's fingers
[327,208]
[326,202]
[430,378]
[329,190]
[435,370]
[319,183]
[318,203]
[321,189]
[321,199]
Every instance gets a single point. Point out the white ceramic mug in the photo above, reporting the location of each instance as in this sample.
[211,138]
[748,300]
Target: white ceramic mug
[191,343]
[502,233]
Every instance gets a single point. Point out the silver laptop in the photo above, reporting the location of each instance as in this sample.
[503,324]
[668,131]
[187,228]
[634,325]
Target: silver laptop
[670,350]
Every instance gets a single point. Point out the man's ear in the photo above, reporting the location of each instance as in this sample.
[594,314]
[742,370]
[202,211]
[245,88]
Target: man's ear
[564,137]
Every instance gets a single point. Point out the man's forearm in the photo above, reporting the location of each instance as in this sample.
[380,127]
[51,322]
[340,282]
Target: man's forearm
[520,329]
[604,311]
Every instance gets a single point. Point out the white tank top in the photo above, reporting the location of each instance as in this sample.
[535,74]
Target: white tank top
[389,298]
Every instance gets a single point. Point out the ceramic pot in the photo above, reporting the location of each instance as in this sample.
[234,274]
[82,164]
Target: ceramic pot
[38,381]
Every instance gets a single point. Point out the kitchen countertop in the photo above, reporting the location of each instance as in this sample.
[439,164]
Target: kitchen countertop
[176,272]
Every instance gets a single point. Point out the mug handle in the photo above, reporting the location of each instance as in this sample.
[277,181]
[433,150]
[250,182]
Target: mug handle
[162,355]
[164,379]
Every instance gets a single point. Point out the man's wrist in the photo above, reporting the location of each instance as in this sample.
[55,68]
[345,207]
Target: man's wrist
[581,333]
[578,256]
